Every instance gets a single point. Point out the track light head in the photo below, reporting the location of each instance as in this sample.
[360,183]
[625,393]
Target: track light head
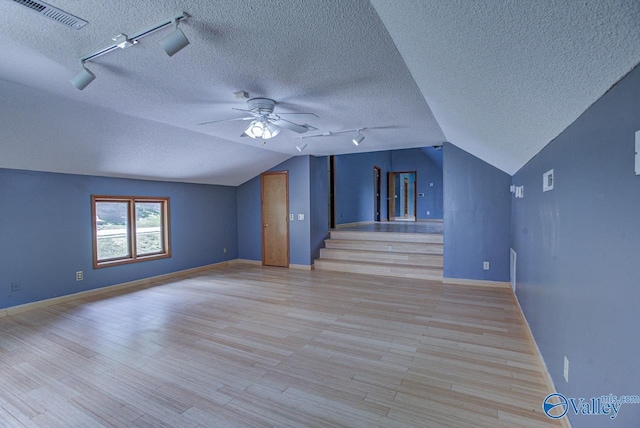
[83,78]
[301,146]
[174,41]
[358,139]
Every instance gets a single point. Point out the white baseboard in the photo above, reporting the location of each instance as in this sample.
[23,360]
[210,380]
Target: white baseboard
[546,377]
[245,262]
[259,263]
[476,282]
[96,291]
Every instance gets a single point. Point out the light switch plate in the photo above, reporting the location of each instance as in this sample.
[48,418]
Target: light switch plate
[547,181]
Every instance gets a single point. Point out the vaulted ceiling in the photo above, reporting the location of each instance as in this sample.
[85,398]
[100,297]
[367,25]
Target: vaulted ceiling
[499,79]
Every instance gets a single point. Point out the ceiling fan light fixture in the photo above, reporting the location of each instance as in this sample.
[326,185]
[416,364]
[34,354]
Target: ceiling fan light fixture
[358,139]
[262,129]
[255,129]
[83,78]
[270,131]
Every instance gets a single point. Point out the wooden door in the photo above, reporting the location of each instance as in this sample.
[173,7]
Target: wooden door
[275,219]
[391,196]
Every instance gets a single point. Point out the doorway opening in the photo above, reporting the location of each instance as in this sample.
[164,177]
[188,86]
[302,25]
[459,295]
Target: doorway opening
[332,191]
[377,173]
[403,194]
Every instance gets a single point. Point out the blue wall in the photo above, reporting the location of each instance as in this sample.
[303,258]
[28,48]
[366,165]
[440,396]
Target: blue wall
[578,253]
[477,217]
[354,183]
[428,172]
[250,220]
[45,225]
[319,195]
[354,186]
[300,232]
[299,203]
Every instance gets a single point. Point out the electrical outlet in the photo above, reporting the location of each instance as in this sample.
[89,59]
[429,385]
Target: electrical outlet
[428,212]
[79,276]
[15,286]
[224,250]
[565,372]
[291,217]
[301,217]
[485,265]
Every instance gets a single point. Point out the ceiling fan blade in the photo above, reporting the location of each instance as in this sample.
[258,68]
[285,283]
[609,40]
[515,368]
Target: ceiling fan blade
[300,129]
[302,114]
[227,120]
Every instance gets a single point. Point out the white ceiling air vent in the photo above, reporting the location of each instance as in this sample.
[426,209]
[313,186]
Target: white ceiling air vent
[53,13]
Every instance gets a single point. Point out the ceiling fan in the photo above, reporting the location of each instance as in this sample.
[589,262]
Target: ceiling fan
[264,123]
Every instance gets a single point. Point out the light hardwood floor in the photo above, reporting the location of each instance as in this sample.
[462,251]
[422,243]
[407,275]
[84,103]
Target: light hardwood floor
[244,345]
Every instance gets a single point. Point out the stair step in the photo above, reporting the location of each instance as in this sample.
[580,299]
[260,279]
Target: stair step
[385,246]
[434,238]
[383,269]
[416,259]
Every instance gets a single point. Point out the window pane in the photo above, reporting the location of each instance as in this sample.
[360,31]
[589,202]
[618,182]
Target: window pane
[149,228]
[112,230]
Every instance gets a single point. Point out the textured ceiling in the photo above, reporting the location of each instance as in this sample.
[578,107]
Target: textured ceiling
[138,118]
[503,78]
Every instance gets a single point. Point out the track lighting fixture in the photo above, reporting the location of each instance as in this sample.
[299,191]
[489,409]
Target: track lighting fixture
[358,138]
[302,145]
[174,41]
[83,78]
[123,41]
[171,44]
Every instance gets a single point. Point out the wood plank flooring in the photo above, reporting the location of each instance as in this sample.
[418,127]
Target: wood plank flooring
[249,346]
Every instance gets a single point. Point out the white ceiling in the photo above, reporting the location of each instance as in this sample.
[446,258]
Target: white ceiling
[503,79]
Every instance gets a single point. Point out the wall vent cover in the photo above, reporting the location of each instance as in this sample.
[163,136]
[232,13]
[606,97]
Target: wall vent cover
[53,13]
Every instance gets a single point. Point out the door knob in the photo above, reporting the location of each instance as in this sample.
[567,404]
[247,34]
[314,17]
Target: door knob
[265,225]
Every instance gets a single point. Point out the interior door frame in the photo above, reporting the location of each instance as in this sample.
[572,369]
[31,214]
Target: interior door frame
[391,196]
[262,223]
[332,192]
[377,193]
